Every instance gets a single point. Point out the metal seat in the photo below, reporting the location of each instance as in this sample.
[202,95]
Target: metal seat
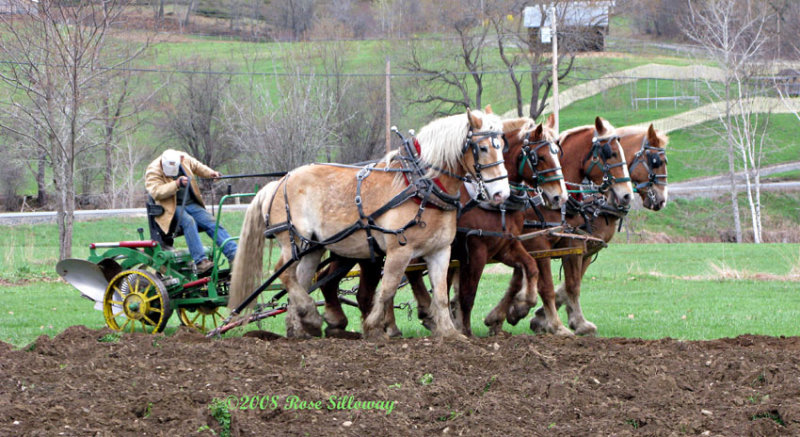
[156,234]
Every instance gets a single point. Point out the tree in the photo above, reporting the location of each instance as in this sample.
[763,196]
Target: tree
[193,115]
[56,60]
[732,33]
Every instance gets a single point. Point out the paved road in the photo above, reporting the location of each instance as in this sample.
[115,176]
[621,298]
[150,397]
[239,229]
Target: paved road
[715,185]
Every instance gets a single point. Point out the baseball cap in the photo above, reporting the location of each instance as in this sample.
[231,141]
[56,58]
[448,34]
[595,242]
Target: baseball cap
[171,162]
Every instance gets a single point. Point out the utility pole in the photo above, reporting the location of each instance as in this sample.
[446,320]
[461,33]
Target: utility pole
[555,64]
[388,105]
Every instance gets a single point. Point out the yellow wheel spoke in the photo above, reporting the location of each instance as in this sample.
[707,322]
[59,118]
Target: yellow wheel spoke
[214,319]
[122,328]
[156,310]
[144,327]
[146,289]
[135,285]
[149,320]
[118,290]
[115,302]
[152,298]
[196,316]
[133,326]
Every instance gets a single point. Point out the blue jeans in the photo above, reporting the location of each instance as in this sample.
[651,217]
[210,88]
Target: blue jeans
[195,219]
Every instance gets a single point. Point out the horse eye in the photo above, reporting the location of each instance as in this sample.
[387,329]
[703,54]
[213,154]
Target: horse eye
[483,149]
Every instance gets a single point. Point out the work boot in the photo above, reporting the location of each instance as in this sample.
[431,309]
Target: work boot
[204,266]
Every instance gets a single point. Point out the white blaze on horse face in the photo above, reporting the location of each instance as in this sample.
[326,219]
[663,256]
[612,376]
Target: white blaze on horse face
[556,194]
[623,191]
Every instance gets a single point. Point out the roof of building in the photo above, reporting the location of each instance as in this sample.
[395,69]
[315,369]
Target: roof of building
[579,13]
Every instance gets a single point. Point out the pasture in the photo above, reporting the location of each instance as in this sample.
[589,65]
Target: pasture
[683,291]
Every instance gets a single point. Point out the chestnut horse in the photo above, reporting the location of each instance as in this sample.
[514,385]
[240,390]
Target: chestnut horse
[356,212]
[592,152]
[648,170]
[531,157]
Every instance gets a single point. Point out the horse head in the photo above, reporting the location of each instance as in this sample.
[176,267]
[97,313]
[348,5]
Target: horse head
[648,166]
[605,164]
[532,156]
[482,155]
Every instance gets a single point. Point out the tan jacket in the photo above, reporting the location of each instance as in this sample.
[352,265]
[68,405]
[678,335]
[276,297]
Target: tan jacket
[163,188]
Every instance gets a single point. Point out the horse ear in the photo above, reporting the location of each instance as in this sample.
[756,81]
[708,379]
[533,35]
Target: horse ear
[474,122]
[599,126]
[551,121]
[488,109]
[652,137]
[538,132]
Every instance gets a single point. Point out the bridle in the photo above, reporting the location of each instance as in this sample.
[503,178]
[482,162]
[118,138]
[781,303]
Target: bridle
[529,154]
[601,152]
[473,143]
[650,157]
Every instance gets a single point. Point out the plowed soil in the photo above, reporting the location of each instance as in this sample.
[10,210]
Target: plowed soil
[76,384]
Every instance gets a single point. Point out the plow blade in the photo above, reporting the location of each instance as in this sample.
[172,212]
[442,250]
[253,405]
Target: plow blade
[86,276]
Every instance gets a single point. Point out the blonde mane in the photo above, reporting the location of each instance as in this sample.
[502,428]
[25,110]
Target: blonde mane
[442,140]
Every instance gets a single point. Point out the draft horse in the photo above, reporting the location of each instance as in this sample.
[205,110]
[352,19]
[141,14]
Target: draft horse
[403,207]
[485,231]
[648,171]
[592,152]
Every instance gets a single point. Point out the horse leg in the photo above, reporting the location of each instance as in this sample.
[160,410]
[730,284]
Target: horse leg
[454,282]
[469,277]
[438,263]
[525,300]
[494,320]
[571,293]
[393,270]
[302,319]
[335,319]
[541,321]
[423,298]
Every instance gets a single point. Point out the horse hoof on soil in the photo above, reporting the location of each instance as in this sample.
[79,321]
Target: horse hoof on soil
[497,330]
[586,329]
[538,325]
[376,335]
[429,324]
[452,335]
[342,334]
[393,332]
[562,331]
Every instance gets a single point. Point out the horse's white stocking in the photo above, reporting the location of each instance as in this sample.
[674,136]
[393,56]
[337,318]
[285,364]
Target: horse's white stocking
[438,263]
[297,279]
[394,268]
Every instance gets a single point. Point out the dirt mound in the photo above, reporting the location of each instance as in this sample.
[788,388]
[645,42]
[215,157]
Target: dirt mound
[87,382]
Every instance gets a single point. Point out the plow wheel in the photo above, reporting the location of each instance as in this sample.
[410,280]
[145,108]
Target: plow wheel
[202,318]
[136,300]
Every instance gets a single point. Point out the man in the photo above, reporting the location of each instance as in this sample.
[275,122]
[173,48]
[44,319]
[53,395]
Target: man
[167,179]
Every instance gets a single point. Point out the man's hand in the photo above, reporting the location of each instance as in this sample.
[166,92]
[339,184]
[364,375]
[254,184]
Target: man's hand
[216,174]
[183,181]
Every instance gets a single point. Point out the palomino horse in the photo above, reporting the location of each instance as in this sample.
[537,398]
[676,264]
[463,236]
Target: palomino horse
[648,170]
[591,152]
[356,212]
[487,231]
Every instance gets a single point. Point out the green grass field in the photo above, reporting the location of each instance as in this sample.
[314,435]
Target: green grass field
[685,291]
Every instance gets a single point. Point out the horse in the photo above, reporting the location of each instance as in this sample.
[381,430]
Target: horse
[592,152]
[531,157]
[402,207]
[648,170]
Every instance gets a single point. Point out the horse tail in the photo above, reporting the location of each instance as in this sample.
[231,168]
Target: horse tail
[248,265]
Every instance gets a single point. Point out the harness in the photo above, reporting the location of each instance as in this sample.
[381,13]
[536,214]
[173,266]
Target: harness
[650,157]
[423,189]
[599,155]
[519,199]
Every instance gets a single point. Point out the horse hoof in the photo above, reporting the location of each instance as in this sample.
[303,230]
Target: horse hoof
[375,335]
[538,325]
[429,324]
[495,330]
[393,332]
[586,329]
[562,331]
[342,334]
[517,313]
